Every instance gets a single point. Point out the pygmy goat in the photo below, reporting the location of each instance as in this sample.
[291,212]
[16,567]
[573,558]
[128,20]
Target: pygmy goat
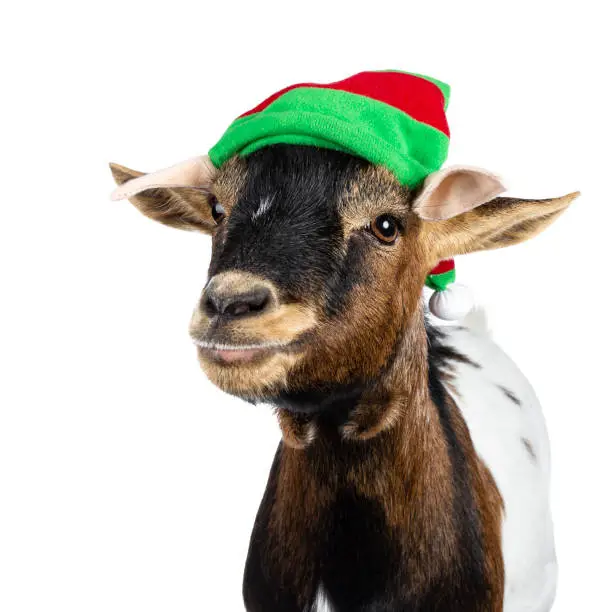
[414,464]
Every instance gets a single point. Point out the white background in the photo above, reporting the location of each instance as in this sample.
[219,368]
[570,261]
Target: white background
[127,481]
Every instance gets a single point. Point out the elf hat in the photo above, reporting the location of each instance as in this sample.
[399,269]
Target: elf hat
[393,119]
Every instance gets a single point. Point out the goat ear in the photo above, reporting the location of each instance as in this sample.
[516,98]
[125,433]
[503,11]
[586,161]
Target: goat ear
[455,190]
[177,196]
[495,224]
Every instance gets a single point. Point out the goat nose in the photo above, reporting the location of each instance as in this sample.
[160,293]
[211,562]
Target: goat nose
[217,301]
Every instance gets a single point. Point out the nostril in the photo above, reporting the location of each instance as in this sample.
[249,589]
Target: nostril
[249,302]
[237,309]
[259,299]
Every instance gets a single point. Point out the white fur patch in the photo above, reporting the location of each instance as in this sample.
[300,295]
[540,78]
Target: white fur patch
[322,603]
[264,207]
[502,412]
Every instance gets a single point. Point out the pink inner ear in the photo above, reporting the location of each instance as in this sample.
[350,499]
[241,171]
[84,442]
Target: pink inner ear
[456,190]
[196,173]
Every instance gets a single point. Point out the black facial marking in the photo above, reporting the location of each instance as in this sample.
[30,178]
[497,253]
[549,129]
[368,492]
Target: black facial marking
[299,241]
[346,274]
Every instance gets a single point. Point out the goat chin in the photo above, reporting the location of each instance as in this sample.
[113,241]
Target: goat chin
[260,377]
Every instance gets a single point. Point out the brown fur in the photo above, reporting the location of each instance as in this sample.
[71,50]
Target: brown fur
[182,208]
[299,431]
[413,451]
[499,223]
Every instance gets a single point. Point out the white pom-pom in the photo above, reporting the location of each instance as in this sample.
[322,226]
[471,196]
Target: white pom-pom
[453,303]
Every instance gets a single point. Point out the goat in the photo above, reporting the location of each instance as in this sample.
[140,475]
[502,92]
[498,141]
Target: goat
[413,470]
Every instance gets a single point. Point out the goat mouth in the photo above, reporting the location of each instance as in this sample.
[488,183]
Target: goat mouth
[237,354]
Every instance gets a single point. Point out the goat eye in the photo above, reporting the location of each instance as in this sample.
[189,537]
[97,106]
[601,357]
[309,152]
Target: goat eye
[385,229]
[216,209]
